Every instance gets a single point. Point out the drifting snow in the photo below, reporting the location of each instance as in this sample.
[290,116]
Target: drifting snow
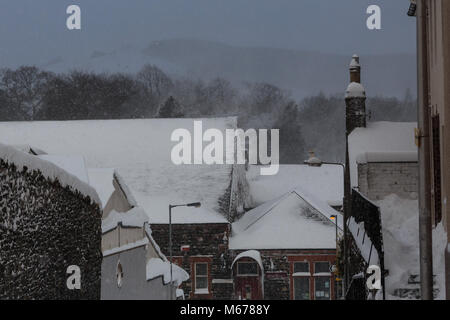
[384,142]
[400,220]
[47,169]
[157,268]
[135,217]
[326,182]
[294,220]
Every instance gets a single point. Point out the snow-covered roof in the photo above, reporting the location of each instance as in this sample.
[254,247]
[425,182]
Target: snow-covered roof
[295,220]
[102,181]
[47,169]
[140,151]
[73,164]
[325,182]
[132,245]
[157,268]
[135,217]
[383,142]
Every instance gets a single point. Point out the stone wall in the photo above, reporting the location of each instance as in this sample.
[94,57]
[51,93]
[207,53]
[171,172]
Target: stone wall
[44,228]
[379,179]
[206,244]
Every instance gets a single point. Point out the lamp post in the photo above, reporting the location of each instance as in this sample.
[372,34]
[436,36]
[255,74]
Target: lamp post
[313,161]
[335,218]
[194,204]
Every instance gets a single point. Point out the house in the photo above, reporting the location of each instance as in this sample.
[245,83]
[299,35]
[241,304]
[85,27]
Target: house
[433,137]
[285,247]
[50,222]
[205,243]
[140,150]
[128,248]
[383,205]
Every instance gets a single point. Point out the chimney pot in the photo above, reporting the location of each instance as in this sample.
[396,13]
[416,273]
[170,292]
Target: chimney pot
[355,69]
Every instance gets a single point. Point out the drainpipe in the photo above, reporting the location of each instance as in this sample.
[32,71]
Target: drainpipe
[425,226]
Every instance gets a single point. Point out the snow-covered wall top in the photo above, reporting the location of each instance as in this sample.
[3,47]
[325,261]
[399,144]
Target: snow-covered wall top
[382,142]
[140,151]
[47,169]
[325,182]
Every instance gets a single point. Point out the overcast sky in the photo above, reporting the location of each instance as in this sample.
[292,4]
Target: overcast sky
[31,29]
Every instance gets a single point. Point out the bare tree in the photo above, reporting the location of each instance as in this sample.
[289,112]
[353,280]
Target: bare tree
[25,89]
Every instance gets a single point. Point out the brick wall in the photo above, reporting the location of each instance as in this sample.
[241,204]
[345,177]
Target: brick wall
[278,269]
[379,179]
[206,242]
[44,228]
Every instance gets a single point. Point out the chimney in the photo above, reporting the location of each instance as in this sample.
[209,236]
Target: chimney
[355,69]
[355,98]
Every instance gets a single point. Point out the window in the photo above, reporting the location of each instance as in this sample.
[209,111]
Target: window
[201,278]
[301,288]
[322,288]
[322,267]
[247,268]
[119,274]
[301,267]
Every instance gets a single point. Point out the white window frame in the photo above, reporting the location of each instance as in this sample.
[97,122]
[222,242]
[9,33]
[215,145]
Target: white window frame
[309,285]
[201,290]
[303,262]
[329,287]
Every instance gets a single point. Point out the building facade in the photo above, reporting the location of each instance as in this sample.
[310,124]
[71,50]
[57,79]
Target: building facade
[433,21]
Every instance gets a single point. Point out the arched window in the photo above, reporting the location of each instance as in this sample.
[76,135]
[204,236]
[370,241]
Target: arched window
[119,274]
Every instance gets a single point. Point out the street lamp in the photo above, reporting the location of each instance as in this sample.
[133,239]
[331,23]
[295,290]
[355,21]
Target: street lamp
[335,218]
[195,205]
[313,161]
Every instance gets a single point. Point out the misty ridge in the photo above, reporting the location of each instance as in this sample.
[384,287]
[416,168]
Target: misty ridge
[300,93]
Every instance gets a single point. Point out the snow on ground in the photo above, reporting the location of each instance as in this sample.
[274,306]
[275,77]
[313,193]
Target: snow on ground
[383,142]
[48,169]
[139,150]
[288,222]
[400,221]
[157,267]
[326,182]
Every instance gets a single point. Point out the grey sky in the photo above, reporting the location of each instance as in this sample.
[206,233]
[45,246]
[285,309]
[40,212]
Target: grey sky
[35,30]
